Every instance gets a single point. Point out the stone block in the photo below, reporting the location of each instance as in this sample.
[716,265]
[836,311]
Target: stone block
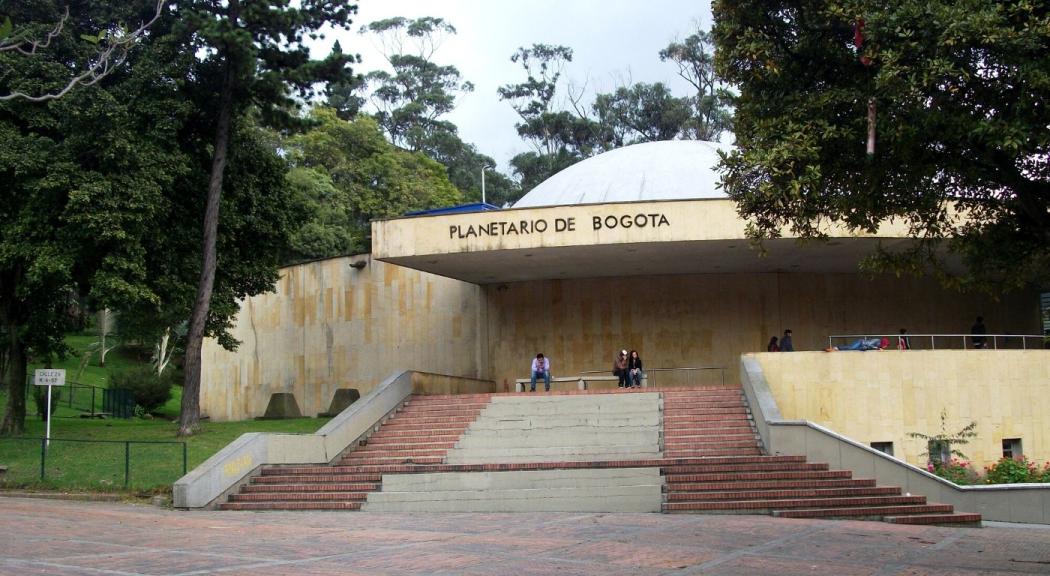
[341,400]
[282,405]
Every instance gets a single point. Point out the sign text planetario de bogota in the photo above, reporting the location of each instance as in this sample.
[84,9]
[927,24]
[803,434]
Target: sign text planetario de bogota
[543,225]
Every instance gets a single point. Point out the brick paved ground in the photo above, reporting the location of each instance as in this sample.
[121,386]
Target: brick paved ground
[91,538]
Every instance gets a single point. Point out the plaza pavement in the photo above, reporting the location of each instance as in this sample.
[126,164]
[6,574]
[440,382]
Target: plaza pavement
[104,538]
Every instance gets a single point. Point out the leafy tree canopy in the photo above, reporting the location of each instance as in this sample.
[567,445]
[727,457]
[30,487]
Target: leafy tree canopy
[956,93]
[350,174]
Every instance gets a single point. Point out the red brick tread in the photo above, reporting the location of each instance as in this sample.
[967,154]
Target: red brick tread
[936,519]
[866,511]
[782,494]
[291,506]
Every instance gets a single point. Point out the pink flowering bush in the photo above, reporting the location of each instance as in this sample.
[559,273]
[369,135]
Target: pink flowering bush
[959,471]
[1016,471]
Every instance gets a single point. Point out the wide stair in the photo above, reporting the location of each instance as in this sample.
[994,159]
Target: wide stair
[420,433]
[720,471]
[672,450]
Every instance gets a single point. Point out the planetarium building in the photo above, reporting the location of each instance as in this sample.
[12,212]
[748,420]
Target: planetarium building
[637,249]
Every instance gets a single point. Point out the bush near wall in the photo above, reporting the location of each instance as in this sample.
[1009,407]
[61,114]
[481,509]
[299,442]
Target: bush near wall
[1005,471]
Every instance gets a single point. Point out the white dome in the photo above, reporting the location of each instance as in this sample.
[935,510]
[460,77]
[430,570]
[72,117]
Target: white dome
[668,170]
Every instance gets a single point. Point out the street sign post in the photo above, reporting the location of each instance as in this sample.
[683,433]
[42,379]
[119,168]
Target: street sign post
[49,377]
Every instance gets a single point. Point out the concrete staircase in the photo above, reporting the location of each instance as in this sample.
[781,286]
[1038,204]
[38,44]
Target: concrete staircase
[673,450]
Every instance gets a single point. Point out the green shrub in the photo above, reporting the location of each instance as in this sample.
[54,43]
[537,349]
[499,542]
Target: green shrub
[40,397]
[150,391]
[1011,471]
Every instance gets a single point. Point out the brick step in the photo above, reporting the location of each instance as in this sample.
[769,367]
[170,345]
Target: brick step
[778,505]
[435,419]
[953,519]
[412,430]
[386,432]
[420,448]
[319,487]
[744,427]
[407,443]
[866,511]
[701,467]
[352,460]
[761,476]
[290,506]
[705,452]
[767,485]
[711,442]
[300,496]
[449,410]
[687,441]
[686,420]
[315,479]
[781,494]
[685,412]
[703,403]
[297,475]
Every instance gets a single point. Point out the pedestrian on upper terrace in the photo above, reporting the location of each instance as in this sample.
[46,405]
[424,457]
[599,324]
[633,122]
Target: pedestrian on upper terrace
[620,368]
[786,345]
[634,369]
[541,368]
[904,341]
[977,332]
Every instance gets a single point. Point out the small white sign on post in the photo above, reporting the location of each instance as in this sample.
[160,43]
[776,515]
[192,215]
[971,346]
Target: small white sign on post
[49,377]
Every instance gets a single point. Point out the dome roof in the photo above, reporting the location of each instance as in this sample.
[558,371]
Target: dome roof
[668,170]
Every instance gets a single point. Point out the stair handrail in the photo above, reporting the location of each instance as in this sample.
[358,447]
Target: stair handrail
[990,341]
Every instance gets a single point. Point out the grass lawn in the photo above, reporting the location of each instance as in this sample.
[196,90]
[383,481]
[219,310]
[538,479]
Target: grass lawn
[72,463]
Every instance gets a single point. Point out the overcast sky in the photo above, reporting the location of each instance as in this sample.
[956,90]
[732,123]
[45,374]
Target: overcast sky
[614,41]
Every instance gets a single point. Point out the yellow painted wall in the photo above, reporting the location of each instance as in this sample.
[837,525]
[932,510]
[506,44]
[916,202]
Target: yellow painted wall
[710,319]
[883,396]
[330,326]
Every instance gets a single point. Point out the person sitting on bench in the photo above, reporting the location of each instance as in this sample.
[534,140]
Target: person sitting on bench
[541,368]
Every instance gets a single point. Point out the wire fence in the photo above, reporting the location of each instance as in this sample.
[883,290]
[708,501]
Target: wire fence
[92,464]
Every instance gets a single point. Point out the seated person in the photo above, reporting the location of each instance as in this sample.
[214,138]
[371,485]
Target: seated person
[862,344]
[541,368]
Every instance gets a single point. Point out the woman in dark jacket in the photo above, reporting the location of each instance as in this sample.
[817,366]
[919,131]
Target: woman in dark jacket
[634,369]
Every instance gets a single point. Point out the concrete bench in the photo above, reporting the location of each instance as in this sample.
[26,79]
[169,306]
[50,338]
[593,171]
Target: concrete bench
[582,382]
[562,383]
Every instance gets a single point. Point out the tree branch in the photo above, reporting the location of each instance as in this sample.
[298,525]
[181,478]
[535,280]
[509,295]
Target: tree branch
[109,59]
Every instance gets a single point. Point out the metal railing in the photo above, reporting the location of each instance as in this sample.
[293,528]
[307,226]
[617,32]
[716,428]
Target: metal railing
[691,375]
[77,463]
[951,341]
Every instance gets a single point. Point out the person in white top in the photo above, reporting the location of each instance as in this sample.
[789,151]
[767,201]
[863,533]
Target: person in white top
[541,368]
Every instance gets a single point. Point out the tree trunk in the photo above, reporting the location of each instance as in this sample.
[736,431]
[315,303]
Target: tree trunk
[15,415]
[189,417]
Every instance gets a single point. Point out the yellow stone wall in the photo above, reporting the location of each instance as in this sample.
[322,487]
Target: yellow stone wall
[709,319]
[330,326]
[883,396]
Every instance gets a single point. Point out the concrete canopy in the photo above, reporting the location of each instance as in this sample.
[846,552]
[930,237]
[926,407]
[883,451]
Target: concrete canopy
[642,210]
[608,240]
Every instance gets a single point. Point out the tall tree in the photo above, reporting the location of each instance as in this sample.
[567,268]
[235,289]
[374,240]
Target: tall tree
[84,179]
[413,97]
[560,138]
[950,98]
[258,52]
[695,59]
[642,113]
